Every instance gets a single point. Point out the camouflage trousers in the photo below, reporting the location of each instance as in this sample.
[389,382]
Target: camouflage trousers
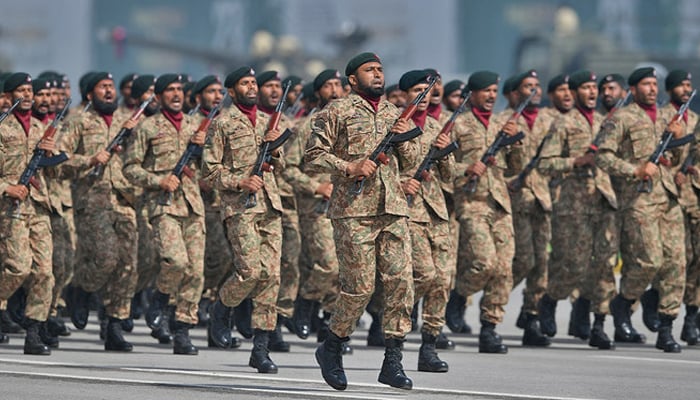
[147,266]
[106,257]
[584,255]
[256,244]
[367,247]
[486,249]
[322,283]
[218,260]
[652,245]
[430,252]
[289,267]
[691,297]
[25,255]
[64,248]
[533,232]
[180,243]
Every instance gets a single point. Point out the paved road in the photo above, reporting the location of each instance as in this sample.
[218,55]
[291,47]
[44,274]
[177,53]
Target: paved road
[569,369]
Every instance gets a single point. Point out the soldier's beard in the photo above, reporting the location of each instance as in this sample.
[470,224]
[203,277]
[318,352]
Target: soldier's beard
[151,109]
[369,90]
[104,107]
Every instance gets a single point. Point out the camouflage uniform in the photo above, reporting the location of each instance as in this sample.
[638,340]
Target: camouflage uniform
[64,238]
[104,213]
[25,243]
[585,251]
[651,241]
[179,230]
[255,234]
[486,243]
[370,230]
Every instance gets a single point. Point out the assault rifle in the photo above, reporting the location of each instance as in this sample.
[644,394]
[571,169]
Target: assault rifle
[516,184]
[4,115]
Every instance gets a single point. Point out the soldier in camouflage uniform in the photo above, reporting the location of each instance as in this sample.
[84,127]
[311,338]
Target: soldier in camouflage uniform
[370,229]
[178,225]
[128,103]
[583,213]
[254,230]
[25,240]
[652,239]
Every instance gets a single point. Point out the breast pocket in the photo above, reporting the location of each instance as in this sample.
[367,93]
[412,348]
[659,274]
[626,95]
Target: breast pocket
[243,151]
[578,142]
[360,137]
[163,150]
[14,159]
[642,142]
[93,141]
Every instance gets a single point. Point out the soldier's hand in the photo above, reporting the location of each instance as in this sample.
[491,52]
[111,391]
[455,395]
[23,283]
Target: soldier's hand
[170,183]
[325,190]
[510,128]
[18,192]
[410,187]
[646,170]
[676,128]
[680,179]
[271,136]
[251,184]
[199,138]
[47,144]
[442,141]
[400,126]
[130,124]
[476,169]
[361,168]
[586,159]
[100,158]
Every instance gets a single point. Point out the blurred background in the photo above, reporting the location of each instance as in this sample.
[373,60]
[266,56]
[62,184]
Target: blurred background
[303,37]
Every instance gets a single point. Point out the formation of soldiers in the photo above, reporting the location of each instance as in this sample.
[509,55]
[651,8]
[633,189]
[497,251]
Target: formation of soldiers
[258,202]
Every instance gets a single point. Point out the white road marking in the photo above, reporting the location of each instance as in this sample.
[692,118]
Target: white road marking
[649,359]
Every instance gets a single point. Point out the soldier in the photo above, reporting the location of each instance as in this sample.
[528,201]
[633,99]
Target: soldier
[452,94]
[293,101]
[128,103]
[370,228]
[26,248]
[652,242]
[559,94]
[611,88]
[178,225]
[254,231]
[395,96]
[584,209]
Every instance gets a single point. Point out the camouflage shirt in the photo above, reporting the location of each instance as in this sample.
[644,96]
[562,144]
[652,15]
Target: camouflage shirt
[688,198]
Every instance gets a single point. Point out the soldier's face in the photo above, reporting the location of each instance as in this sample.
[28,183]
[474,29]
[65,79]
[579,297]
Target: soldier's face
[126,94]
[293,93]
[5,102]
[42,101]
[681,93]
[368,79]
[611,92]
[172,97]
[329,91]
[587,95]
[561,98]
[453,100]
[485,99]
[645,91]
[526,87]
[65,95]
[211,96]
[436,93]
[414,91]
[26,93]
[104,91]
[246,91]
[154,105]
[55,99]
[270,93]
[397,98]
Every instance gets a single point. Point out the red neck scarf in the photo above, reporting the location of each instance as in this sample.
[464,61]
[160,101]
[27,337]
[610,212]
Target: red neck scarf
[108,119]
[204,112]
[266,110]
[52,115]
[249,111]
[24,118]
[419,118]
[677,107]
[373,101]
[44,118]
[434,110]
[174,118]
[482,116]
[588,113]
[530,115]
[650,110]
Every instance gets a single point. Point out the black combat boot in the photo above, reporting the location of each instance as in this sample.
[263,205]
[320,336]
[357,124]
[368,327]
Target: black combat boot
[329,357]
[260,356]
[302,317]
[155,315]
[454,313]
[392,373]
[664,339]
[181,339]
[104,321]
[598,337]
[16,305]
[533,335]
[7,325]
[163,333]
[489,340]
[46,337]
[650,309]
[621,308]
[57,327]
[579,320]
[137,305]
[4,338]
[375,334]
[443,342]
[276,342]
[81,307]
[242,314]
[414,317]
[219,329]
[521,322]
[32,342]
[203,312]
[114,340]
[428,360]
[324,327]
[689,334]
[127,324]
[548,313]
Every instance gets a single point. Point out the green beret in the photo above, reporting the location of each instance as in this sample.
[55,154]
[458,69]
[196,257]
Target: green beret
[412,78]
[639,74]
[452,86]
[324,77]
[16,80]
[82,84]
[164,80]
[40,84]
[580,77]
[141,85]
[53,77]
[204,82]
[267,76]
[482,79]
[126,79]
[3,76]
[676,77]
[186,78]
[508,86]
[612,78]
[557,81]
[95,79]
[292,79]
[518,79]
[360,59]
[236,75]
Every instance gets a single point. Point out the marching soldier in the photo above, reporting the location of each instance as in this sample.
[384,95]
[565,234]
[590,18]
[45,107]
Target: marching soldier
[611,88]
[559,95]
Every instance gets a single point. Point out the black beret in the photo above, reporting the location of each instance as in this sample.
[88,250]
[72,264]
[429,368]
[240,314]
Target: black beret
[433,72]
[40,84]
[639,74]
[95,79]
[141,85]
[482,79]
[580,77]
[612,78]
[325,76]
[204,82]
[82,84]
[452,86]
[267,76]
[676,77]
[308,91]
[344,81]
[188,87]
[3,76]
[186,78]
[236,75]
[292,79]
[518,79]
[392,88]
[164,80]
[557,81]
[508,85]
[53,77]
[412,78]
[126,79]
[16,80]
[360,59]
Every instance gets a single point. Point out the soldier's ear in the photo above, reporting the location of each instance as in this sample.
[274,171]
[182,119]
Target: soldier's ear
[352,80]
[89,96]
